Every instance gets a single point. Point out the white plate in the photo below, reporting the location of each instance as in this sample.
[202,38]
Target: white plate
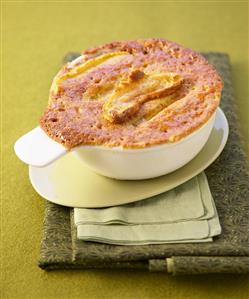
[68,182]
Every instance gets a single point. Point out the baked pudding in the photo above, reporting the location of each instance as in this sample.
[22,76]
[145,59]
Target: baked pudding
[131,94]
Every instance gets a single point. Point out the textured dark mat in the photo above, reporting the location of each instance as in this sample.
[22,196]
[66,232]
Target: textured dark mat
[229,253]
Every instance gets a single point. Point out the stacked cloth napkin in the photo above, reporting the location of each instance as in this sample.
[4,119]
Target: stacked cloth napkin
[184,214]
[228,179]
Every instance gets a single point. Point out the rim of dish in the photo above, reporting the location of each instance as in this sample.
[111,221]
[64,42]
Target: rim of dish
[153,147]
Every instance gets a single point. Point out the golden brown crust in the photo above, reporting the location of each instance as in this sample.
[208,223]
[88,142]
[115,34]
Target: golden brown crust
[132,94]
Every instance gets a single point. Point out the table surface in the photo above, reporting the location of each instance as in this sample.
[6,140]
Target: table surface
[35,38]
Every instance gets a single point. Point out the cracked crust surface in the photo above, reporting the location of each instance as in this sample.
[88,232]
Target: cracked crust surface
[132,94]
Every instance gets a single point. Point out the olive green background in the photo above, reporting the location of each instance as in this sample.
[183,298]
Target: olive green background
[36,35]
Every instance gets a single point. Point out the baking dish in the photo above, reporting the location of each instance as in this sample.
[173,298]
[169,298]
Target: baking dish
[37,149]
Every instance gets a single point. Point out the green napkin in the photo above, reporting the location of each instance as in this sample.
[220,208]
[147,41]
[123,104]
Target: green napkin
[228,253]
[184,214]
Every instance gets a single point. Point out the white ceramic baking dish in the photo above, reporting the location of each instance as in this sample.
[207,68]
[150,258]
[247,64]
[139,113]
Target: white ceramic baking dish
[37,149]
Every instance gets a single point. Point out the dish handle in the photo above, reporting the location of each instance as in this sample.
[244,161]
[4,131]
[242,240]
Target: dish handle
[37,149]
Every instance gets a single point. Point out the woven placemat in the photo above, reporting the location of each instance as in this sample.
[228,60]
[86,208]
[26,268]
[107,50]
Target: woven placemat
[228,253]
